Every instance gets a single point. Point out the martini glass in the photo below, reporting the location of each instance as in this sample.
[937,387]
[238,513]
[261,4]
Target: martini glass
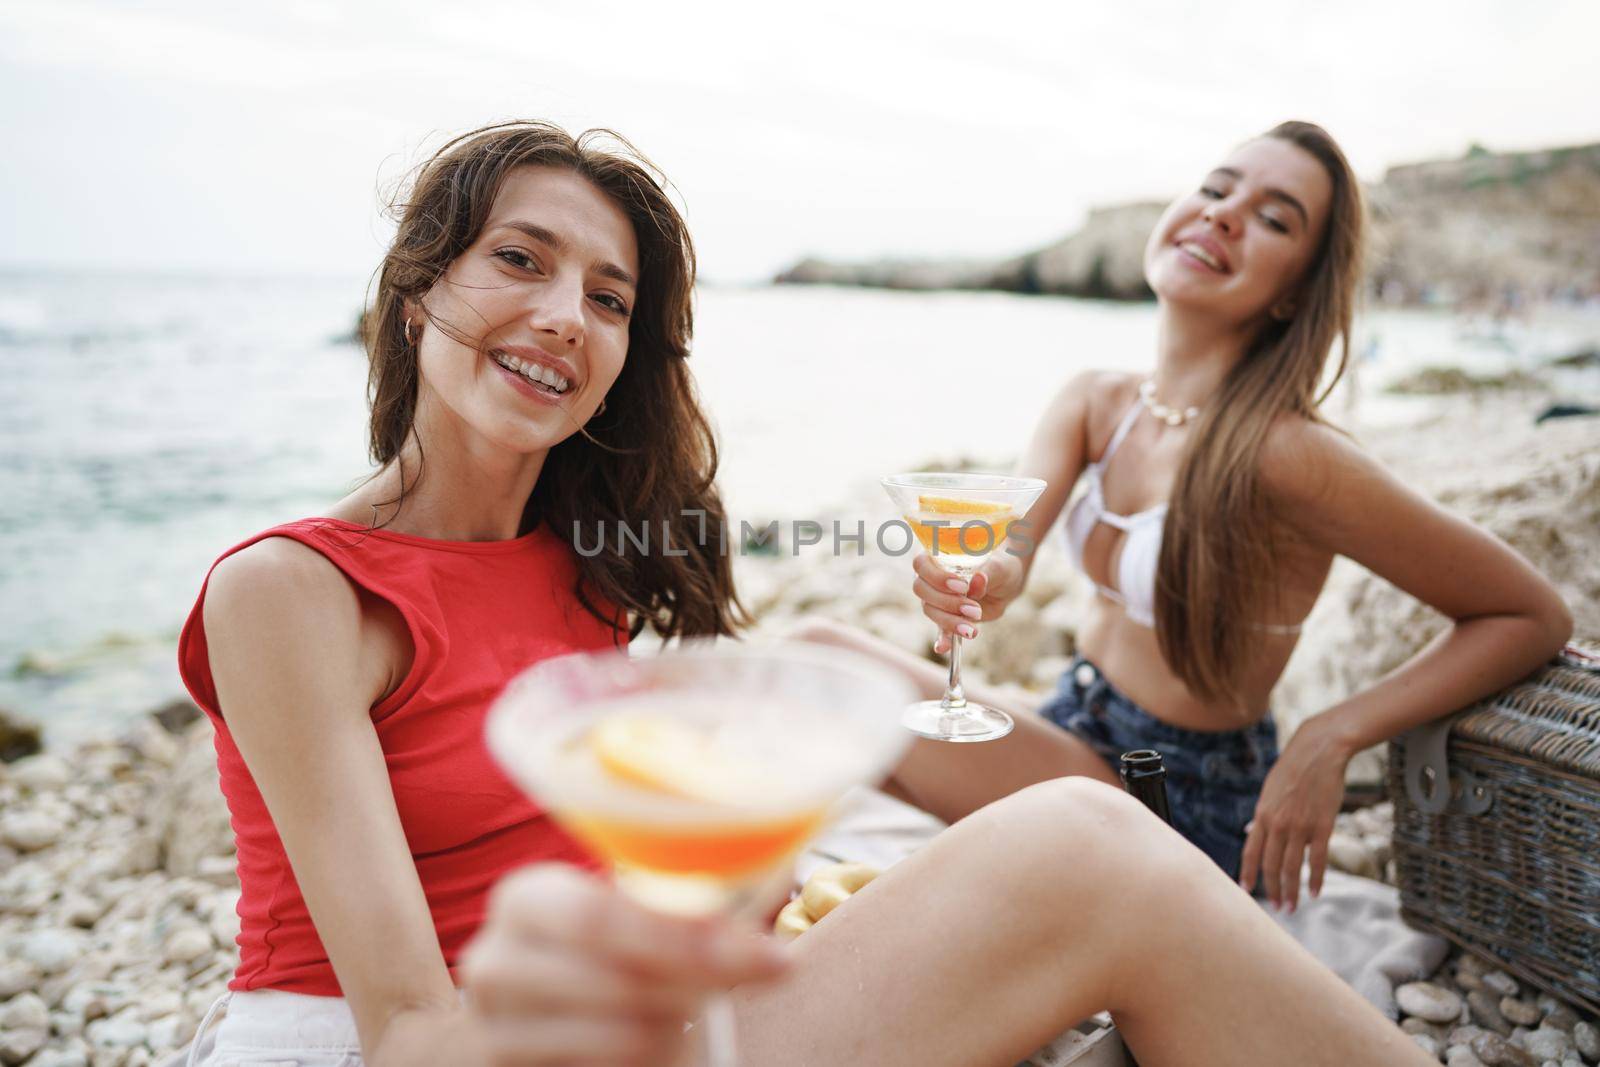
[962,520]
[698,771]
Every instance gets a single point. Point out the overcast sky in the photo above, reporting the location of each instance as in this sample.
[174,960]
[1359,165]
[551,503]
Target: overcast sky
[195,134]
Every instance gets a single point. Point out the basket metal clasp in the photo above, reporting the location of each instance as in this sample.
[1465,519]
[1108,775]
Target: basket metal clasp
[1428,781]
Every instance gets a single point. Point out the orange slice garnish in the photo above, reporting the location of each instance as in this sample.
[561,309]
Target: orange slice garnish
[667,755]
[944,505]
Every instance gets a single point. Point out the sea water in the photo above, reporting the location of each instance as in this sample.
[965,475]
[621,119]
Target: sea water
[148,422]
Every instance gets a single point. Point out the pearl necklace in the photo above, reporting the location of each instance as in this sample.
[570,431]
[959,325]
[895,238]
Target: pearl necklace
[1170,416]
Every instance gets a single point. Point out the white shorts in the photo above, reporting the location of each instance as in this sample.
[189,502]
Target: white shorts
[271,1028]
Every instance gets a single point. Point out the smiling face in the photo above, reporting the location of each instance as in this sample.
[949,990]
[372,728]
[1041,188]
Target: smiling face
[1239,245]
[527,329]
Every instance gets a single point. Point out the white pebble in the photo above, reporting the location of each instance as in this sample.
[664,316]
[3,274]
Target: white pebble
[66,1023]
[17,1045]
[91,1000]
[1548,1044]
[42,773]
[154,1006]
[25,1012]
[219,870]
[51,951]
[1587,1038]
[1347,853]
[1428,1001]
[76,909]
[1502,983]
[55,1057]
[15,977]
[186,944]
[30,831]
[165,1032]
[119,1031]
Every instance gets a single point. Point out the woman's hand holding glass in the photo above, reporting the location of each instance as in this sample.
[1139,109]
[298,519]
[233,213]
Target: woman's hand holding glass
[956,605]
[567,969]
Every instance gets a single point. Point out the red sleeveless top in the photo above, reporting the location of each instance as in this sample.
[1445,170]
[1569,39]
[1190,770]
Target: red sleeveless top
[478,613]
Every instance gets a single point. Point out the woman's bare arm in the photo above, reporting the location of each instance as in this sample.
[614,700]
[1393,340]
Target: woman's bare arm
[1059,448]
[297,667]
[1057,454]
[1507,620]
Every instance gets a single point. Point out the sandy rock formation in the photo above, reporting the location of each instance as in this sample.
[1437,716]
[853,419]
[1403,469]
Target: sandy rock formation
[1489,228]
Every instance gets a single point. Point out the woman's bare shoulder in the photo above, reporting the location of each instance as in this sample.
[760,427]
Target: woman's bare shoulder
[1091,397]
[1108,393]
[271,567]
[1302,459]
[1109,388]
[275,586]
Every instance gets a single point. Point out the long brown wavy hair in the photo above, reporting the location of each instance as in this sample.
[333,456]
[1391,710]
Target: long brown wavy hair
[651,457]
[1217,578]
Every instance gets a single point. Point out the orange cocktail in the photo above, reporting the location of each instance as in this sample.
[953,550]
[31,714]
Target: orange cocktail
[729,852]
[948,526]
[699,770]
[729,824]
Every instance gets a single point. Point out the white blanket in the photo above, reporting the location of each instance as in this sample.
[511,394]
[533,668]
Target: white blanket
[1355,929]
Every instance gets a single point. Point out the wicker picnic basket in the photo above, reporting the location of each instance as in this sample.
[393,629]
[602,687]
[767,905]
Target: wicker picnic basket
[1506,860]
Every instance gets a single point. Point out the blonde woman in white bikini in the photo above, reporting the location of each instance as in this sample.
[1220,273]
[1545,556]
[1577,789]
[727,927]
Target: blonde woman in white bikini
[1214,500]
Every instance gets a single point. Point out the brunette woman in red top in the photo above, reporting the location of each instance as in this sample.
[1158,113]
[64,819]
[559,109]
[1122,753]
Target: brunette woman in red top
[527,338]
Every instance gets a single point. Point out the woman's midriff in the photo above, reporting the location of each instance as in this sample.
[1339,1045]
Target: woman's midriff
[1129,657]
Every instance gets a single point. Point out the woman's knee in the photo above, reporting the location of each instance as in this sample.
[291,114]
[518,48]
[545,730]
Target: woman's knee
[1083,823]
[1088,805]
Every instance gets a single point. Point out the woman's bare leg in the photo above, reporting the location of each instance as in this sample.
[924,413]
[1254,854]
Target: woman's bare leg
[1036,912]
[953,780]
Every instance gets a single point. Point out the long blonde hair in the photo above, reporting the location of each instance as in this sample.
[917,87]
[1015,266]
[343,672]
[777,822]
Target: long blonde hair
[1216,581]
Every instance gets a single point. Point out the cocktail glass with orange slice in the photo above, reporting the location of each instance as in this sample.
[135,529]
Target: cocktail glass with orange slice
[962,520]
[698,772]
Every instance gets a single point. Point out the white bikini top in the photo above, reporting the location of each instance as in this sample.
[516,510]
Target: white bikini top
[1141,540]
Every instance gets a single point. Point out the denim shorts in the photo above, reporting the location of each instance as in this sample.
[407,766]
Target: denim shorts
[1213,777]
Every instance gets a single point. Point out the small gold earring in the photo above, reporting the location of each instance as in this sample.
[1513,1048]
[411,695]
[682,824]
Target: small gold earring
[407,330]
[601,410]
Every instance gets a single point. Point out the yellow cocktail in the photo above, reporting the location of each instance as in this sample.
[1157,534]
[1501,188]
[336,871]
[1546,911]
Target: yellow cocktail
[961,520]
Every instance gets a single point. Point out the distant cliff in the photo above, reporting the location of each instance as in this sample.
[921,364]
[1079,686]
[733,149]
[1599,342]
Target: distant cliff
[1490,226]
[1487,227]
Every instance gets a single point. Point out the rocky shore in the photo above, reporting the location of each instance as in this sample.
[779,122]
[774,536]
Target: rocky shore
[1471,1014]
[117,887]
[117,896]
[1488,229]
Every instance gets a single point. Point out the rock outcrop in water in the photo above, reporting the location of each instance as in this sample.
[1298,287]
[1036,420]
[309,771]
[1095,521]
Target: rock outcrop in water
[1489,228]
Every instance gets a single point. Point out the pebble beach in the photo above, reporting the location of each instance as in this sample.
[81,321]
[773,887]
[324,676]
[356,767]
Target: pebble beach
[117,885]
